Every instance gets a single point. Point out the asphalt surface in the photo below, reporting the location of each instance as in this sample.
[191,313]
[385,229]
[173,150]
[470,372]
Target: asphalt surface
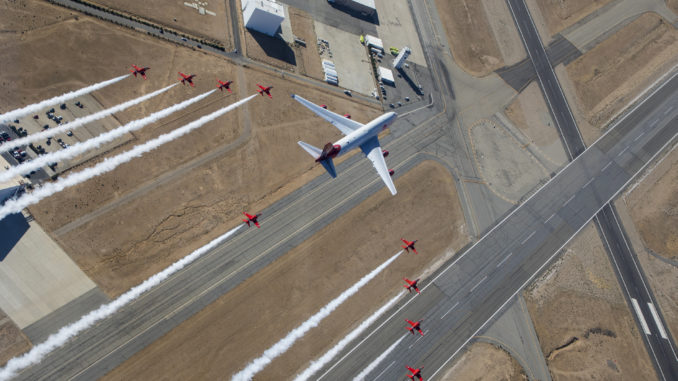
[457,302]
[662,352]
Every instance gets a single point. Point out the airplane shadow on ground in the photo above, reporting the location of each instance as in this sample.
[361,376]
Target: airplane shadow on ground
[12,228]
[274,47]
[374,19]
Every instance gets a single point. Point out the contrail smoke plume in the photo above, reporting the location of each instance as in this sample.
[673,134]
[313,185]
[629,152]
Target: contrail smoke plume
[78,148]
[258,364]
[375,363]
[109,164]
[80,121]
[18,113]
[329,355]
[56,340]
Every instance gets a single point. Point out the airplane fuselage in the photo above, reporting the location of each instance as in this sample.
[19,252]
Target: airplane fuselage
[364,133]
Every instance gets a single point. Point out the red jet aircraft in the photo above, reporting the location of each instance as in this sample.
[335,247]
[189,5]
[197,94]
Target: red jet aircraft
[415,373]
[251,218]
[410,245]
[411,284]
[266,90]
[414,326]
[139,70]
[187,78]
[224,85]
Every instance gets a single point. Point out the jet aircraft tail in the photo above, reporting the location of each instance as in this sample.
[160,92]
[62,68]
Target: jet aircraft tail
[328,164]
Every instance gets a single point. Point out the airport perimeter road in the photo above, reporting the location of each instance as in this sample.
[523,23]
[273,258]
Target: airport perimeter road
[638,295]
[456,304]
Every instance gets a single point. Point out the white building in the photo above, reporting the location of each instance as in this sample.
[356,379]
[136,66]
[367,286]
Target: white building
[264,16]
[386,75]
[402,56]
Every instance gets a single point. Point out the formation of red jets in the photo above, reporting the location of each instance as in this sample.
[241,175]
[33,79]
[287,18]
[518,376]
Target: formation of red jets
[184,79]
[254,219]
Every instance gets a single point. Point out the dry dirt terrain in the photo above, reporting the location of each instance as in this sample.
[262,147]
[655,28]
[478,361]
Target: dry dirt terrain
[643,50]
[673,5]
[653,208]
[12,341]
[309,59]
[470,36]
[585,328]
[531,115]
[175,15]
[560,14]
[121,248]
[485,362]
[240,325]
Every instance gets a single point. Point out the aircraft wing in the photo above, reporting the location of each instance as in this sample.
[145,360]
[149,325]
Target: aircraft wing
[345,125]
[372,150]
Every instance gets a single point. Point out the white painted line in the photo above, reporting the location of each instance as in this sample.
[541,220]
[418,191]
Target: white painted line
[639,136]
[639,313]
[622,151]
[587,183]
[660,326]
[450,310]
[504,260]
[529,236]
[652,124]
[478,284]
[549,219]
[385,369]
[668,110]
[415,341]
[569,199]
[605,167]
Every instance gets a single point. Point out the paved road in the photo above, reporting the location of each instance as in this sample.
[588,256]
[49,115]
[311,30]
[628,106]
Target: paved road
[662,352]
[458,301]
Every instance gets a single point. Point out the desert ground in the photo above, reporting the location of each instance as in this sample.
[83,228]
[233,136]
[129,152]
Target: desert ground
[303,27]
[673,5]
[310,276]
[644,50]
[485,362]
[177,16]
[653,209]
[138,238]
[530,114]
[560,14]
[584,325]
[470,36]
[12,341]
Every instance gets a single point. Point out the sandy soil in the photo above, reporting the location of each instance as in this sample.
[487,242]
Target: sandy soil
[198,347]
[505,32]
[652,207]
[560,14]
[643,51]
[470,36]
[177,16]
[585,328]
[304,28]
[673,5]
[531,115]
[485,362]
[12,341]
[123,247]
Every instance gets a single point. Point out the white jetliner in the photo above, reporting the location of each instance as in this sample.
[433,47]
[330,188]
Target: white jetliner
[356,135]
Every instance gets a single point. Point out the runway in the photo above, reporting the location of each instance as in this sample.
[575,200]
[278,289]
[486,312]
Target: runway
[457,303]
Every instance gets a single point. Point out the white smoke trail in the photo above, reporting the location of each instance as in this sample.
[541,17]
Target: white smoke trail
[80,121]
[95,142]
[318,364]
[361,376]
[56,340]
[18,113]
[258,364]
[109,164]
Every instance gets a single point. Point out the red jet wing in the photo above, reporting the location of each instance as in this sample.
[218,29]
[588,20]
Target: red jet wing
[139,70]
[411,284]
[415,373]
[251,218]
[409,245]
[224,85]
[266,90]
[187,78]
[415,326]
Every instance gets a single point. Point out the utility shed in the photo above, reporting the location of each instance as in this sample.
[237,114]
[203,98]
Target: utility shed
[374,42]
[386,75]
[264,16]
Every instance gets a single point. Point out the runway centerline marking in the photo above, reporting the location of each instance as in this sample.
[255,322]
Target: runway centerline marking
[655,316]
[622,151]
[504,260]
[549,219]
[531,234]
[385,369]
[639,136]
[668,110]
[587,183]
[478,284]
[569,199]
[450,310]
[639,313]
[605,167]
